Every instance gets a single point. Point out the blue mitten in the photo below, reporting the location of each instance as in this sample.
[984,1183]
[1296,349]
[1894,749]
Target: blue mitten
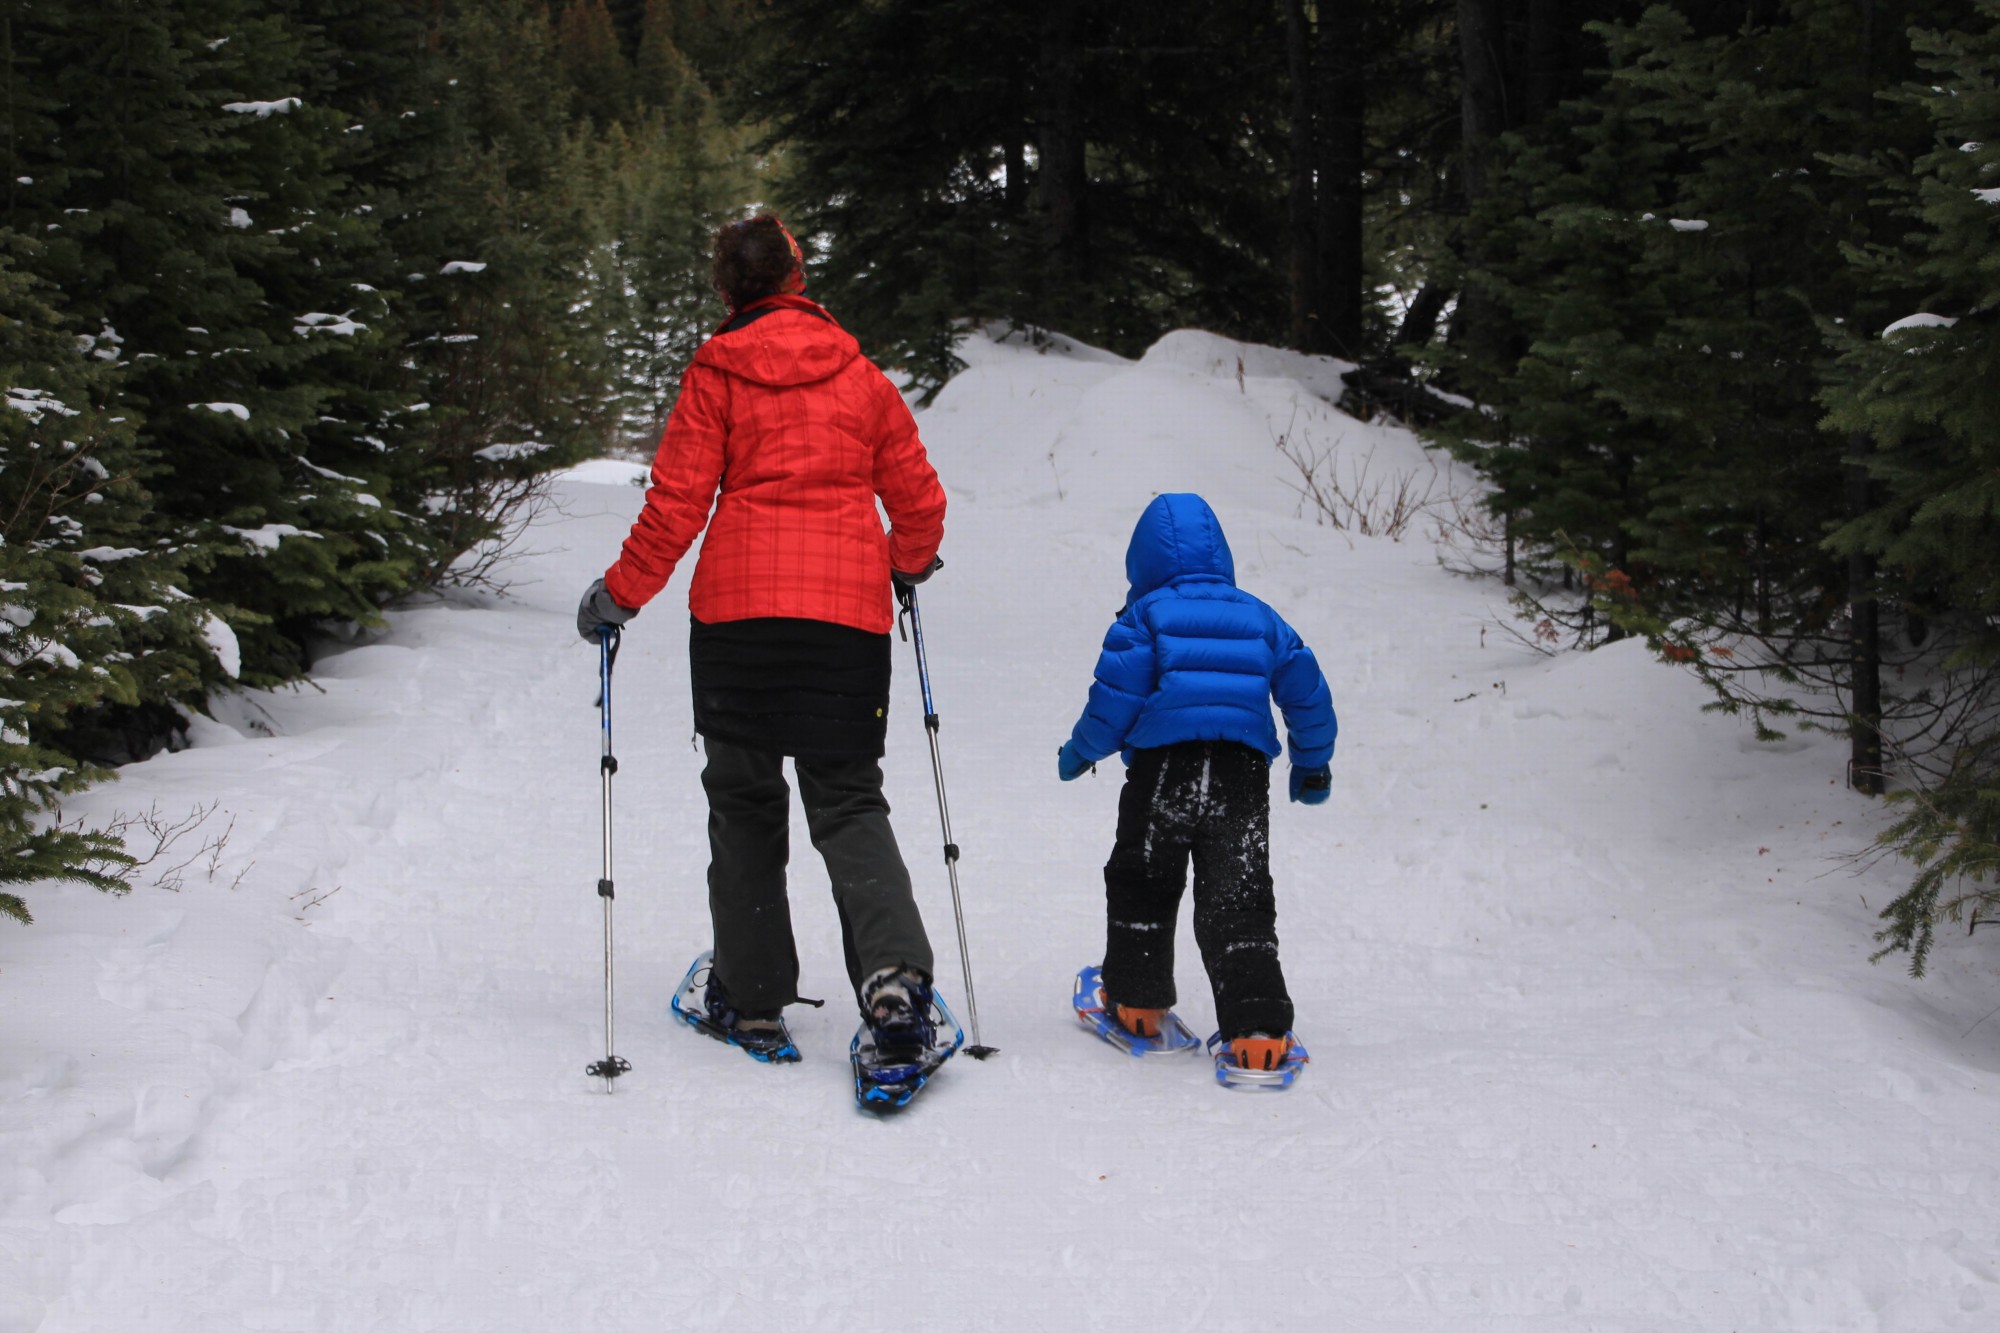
[1069,764]
[1311,786]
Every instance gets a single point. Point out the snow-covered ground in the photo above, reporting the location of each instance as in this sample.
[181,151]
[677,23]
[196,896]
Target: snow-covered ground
[1596,1044]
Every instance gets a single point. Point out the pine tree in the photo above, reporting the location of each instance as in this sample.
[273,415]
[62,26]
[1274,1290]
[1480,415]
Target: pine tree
[1563,228]
[1696,245]
[587,46]
[205,250]
[90,608]
[1925,391]
[297,303]
[1053,165]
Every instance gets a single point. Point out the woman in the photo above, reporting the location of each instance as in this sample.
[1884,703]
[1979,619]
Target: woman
[791,434]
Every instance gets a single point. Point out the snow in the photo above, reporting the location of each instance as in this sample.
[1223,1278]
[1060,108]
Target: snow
[267,537]
[35,403]
[1988,196]
[502,453]
[237,410]
[1687,224]
[608,472]
[319,321]
[1583,968]
[328,472]
[283,106]
[221,641]
[457,266]
[1920,321]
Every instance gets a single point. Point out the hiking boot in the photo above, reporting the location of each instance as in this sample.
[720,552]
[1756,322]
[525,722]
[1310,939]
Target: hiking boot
[896,1005]
[764,1029]
[1254,1050]
[1139,1022]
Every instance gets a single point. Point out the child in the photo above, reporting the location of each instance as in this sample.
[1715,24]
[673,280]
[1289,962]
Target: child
[1184,690]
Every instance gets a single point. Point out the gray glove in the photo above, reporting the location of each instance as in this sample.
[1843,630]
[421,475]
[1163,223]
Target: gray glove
[597,609]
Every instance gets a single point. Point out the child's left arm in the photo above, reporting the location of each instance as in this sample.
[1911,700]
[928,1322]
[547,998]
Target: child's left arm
[1301,690]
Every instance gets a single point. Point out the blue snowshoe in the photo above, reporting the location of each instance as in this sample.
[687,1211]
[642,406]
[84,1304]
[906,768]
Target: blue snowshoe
[899,1044]
[702,1003]
[1230,1074]
[1095,1012]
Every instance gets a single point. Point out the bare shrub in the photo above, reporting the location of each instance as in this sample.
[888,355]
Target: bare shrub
[505,509]
[1351,495]
[1356,499]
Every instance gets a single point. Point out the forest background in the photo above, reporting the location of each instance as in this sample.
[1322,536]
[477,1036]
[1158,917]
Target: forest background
[299,303]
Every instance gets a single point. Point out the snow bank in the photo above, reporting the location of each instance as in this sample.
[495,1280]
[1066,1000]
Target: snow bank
[608,472]
[1224,358]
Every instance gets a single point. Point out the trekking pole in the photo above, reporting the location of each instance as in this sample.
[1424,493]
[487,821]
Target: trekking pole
[977,1050]
[611,1066]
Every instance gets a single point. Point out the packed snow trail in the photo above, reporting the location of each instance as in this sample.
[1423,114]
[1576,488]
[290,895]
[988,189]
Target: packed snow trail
[1596,1044]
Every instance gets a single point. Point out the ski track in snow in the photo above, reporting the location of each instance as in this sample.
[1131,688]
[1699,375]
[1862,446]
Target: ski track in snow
[1583,970]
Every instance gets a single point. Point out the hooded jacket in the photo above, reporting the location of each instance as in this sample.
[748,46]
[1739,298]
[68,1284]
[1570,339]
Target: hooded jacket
[1192,657]
[799,433]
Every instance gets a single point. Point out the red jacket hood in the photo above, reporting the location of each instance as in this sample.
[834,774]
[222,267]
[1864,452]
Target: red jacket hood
[794,342]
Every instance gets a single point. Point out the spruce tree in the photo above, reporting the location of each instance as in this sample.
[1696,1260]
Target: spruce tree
[206,252]
[1068,167]
[90,608]
[1924,388]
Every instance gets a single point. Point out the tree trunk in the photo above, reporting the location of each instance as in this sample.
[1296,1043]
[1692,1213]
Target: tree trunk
[1420,321]
[1061,177]
[1342,99]
[1865,637]
[1482,119]
[1016,147]
[1298,48]
[1546,59]
[1483,95]
[1864,611]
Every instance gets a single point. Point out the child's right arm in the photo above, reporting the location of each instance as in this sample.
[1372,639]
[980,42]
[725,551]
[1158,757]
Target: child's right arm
[1124,680]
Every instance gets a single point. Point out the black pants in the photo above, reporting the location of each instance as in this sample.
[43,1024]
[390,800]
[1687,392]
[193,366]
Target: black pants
[1209,801]
[749,824]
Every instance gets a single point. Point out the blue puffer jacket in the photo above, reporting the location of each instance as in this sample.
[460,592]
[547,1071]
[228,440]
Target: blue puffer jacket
[1192,657]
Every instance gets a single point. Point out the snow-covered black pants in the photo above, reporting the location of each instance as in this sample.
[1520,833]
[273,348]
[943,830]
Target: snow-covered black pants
[1209,801]
[749,827]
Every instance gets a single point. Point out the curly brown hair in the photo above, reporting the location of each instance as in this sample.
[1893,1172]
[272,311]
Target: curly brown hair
[755,258]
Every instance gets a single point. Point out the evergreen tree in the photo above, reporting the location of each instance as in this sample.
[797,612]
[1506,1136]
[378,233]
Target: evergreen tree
[90,607]
[1054,165]
[588,48]
[1567,461]
[1671,317]
[205,252]
[1924,388]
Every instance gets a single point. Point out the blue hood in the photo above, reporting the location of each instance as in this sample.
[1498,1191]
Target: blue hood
[1178,536]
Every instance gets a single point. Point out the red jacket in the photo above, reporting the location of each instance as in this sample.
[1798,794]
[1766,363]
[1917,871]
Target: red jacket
[800,433]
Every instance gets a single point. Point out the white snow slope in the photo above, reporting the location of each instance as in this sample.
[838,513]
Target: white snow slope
[1596,1043]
